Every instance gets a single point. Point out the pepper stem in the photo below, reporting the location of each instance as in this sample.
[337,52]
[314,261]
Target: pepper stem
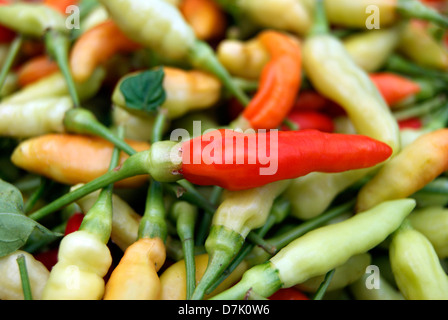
[222,246]
[399,64]
[98,219]
[57,45]
[83,121]
[24,277]
[134,165]
[417,9]
[153,224]
[203,57]
[11,56]
[320,24]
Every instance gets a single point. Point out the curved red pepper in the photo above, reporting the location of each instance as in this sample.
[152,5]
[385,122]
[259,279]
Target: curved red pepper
[238,161]
[279,83]
[411,123]
[393,87]
[74,222]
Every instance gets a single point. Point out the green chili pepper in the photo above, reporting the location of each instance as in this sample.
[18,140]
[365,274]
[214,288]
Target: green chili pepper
[173,37]
[416,266]
[321,250]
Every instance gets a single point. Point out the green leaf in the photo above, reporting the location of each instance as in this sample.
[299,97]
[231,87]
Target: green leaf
[11,199]
[15,227]
[144,91]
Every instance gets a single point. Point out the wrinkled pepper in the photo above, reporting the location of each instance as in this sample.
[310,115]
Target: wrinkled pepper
[303,258]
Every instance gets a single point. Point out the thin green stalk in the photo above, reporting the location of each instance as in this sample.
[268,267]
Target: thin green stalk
[57,45]
[324,285]
[259,241]
[14,48]
[320,24]
[36,195]
[153,224]
[159,125]
[26,287]
[417,9]
[420,109]
[399,64]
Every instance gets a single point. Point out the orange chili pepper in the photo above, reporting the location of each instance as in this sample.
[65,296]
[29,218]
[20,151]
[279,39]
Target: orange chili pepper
[36,68]
[206,17]
[72,159]
[96,46]
[60,5]
[279,84]
[393,87]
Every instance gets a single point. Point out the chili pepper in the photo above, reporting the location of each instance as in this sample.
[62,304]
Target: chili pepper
[324,57]
[310,100]
[185,91]
[74,222]
[125,221]
[163,163]
[244,59]
[393,87]
[411,123]
[173,279]
[60,5]
[96,46]
[36,68]
[415,266]
[386,290]
[310,120]
[137,127]
[319,250]
[288,294]
[84,256]
[6,35]
[57,156]
[344,275]
[370,49]
[205,17]
[33,118]
[238,214]
[419,45]
[416,165]
[48,257]
[431,222]
[353,14]
[279,84]
[176,39]
[10,282]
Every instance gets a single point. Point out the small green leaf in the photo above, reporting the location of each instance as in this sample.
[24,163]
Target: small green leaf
[11,199]
[144,91]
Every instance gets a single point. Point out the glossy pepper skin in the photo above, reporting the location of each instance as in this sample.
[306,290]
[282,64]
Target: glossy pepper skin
[416,165]
[135,277]
[321,250]
[83,261]
[416,266]
[296,153]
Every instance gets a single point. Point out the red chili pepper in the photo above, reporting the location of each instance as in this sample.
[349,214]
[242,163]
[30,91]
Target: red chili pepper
[48,258]
[289,294]
[74,222]
[238,161]
[411,123]
[279,83]
[6,35]
[310,120]
[393,87]
[310,100]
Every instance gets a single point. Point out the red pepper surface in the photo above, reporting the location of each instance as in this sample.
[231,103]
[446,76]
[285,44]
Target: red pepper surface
[393,87]
[6,34]
[279,83]
[238,161]
[411,123]
[289,294]
[310,120]
[60,5]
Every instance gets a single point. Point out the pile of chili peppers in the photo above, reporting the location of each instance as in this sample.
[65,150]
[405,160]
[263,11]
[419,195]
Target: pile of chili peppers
[224,150]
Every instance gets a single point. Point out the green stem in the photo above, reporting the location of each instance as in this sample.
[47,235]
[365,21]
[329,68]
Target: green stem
[153,224]
[83,121]
[12,54]
[324,285]
[36,195]
[204,226]
[98,220]
[159,125]
[202,56]
[320,24]
[399,64]
[57,45]
[26,287]
[259,241]
[417,9]
[420,109]
[134,165]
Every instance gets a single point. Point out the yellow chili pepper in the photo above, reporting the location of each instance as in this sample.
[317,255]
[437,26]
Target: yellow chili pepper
[410,170]
[135,277]
[10,281]
[416,266]
[173,279]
